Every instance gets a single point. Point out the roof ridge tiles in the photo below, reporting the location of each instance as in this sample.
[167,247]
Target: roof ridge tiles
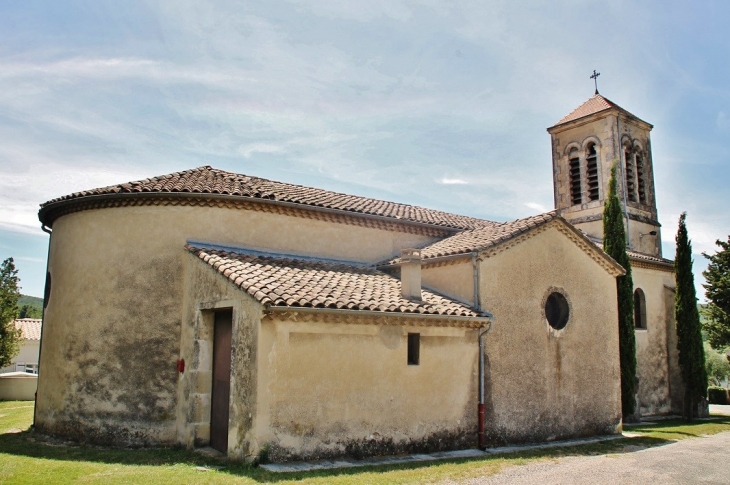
[480,238]
[208,180]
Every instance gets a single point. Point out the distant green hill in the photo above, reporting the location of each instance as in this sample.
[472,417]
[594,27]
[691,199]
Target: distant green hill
[30,300]
[30,307]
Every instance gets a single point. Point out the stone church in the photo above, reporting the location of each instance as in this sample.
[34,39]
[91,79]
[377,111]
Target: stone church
[209,308]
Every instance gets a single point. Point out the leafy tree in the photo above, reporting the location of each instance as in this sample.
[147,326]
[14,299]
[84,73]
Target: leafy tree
[717,366]
[689,332]
[717,311]
[9,294]
[29,311]
[614,243]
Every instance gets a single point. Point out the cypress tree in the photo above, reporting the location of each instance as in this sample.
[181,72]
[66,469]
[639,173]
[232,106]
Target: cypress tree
[689,334]
[614,244]
[9,294]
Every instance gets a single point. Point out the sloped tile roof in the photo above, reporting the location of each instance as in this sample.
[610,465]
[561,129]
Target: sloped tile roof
[482,238]
[650,258]
[31,328]
[287,282]
[209,180]
[593,105]
[637,255]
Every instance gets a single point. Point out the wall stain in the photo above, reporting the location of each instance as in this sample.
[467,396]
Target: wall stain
[122,385]
[376,445]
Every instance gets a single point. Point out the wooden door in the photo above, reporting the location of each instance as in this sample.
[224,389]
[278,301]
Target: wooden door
[221,380]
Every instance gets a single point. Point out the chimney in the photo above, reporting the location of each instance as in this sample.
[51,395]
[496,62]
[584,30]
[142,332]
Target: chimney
[410,274]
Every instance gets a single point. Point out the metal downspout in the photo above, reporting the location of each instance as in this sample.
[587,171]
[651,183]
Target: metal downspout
[481,412]
[49,231]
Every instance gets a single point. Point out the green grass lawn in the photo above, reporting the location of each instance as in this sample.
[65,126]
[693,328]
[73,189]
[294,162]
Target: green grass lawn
[27,458]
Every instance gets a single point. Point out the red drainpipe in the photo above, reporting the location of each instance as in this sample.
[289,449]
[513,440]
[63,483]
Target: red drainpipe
[480,427]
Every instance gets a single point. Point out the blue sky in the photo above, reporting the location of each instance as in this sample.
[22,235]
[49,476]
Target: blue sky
[440,104]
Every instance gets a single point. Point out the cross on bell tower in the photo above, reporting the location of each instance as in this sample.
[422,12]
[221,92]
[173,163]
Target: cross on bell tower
[595,79]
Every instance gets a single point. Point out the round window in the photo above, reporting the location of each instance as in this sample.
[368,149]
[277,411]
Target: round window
[557,310]
[47,290]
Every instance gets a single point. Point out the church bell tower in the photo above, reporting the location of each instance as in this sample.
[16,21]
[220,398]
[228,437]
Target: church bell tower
[585,145]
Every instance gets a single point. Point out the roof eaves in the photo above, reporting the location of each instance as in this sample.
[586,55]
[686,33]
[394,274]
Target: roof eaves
[395,262]
[46,210]
[591,246]
[569,119]
[483,317]
[588,246]
[519,231]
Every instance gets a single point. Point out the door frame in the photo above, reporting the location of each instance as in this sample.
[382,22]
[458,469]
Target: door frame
[198,375]
[222,336]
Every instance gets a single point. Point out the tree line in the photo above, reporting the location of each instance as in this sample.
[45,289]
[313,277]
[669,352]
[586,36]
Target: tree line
[13,305]
[693,365]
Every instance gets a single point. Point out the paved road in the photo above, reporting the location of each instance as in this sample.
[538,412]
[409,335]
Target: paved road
[697,460]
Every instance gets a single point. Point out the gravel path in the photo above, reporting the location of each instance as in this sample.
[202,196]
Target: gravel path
[698,460]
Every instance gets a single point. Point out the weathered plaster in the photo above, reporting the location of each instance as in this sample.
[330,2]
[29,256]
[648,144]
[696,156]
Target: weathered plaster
[205,292]
[328,390]
[113,322]
[542,384]
[676,385]
[652,344]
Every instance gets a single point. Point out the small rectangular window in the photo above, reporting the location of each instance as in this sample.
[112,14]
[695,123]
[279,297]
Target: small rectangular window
[414,344]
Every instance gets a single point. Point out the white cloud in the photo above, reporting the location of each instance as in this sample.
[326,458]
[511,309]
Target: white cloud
[377,97]
[538,207]
[30,260]
[21,193]
[360,11]
[722,121]
[453,181]
[251,149]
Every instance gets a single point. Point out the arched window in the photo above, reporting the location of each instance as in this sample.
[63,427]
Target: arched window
[639,309]
[592,172]
[640,179]
[630,175]
[576,192]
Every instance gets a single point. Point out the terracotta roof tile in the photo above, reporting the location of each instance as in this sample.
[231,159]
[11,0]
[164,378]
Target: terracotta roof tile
[482,238]
[593,105]
[208,180]
[284,281]
[635,254]
[648,257]
[31,328]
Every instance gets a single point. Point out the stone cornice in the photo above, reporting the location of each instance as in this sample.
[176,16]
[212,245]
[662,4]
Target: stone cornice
[625,116]
[596,254]
[446,261]
[598,217]
[644,264]
[578,238]
[50,213]
[604,260]
[324,315]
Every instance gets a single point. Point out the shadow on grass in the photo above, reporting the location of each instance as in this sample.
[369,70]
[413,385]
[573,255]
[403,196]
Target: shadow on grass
[30,445]
[682,428]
